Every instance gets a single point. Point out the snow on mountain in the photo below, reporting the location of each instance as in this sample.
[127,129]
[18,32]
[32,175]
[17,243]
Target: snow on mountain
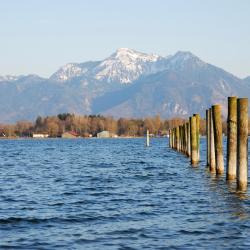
[9,78]
[20,78]
[69,70]
[124,66]
[127,83]
[72,70]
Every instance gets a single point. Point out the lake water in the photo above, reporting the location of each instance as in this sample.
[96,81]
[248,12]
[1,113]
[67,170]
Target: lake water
[115,194]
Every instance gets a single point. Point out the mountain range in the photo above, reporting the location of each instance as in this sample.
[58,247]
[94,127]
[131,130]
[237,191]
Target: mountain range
[126,84]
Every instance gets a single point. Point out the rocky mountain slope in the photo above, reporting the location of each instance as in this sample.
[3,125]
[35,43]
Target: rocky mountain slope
[126,84]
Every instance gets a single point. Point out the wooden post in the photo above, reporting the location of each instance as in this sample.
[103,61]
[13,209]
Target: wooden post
[194,151]
[180,138]
[208,137]
[218,139]
[177,138]
[242,143]
[174,134]
[147,139]
[186,139]
[198,134]
[174,138]
[170,138]
[231,138]
[183,138]
[189,138]
[211,139]
[180,131]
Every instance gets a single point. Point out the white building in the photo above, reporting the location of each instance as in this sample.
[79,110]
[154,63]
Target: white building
[103,134]
[34,135]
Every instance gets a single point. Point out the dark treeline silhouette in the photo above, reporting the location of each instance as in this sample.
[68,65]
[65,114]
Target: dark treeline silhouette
[92,124]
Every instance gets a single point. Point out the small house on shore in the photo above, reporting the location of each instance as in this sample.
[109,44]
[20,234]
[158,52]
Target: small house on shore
[103,134]
[40,135]
[70,134]
[106,134]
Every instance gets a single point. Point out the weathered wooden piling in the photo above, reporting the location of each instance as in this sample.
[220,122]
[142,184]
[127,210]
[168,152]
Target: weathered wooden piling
[212,162]
[231,138]
[174,138]
[186,139]
[207,136]
[189,140]
[183,139]
[178,138]
[169,139]
[147,139]
[218,139]
[242,143]
[198,134]
[194,151]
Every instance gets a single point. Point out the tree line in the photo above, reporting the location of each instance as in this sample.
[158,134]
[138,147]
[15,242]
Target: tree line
[88,125]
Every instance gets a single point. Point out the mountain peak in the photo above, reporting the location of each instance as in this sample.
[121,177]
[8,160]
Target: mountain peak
[185,55]
[182,59]
[126,65]
[125,51]
[169,86]
[132,54]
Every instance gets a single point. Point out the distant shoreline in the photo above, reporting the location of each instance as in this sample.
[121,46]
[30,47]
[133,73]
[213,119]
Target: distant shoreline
[49,138]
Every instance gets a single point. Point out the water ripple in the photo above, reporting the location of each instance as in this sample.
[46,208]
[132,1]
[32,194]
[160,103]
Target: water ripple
[115,194]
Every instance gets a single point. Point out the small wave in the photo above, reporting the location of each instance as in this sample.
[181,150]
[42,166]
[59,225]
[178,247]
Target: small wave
[57,204]
[83,240]
[194,232]
[73,219]
[135,162]
[126,231]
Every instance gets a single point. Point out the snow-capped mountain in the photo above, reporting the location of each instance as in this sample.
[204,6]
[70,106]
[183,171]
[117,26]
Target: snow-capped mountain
[126,66]
[126,84]
[123,66]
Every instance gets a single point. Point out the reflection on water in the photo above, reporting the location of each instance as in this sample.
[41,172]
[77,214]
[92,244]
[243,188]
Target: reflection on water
[115,194]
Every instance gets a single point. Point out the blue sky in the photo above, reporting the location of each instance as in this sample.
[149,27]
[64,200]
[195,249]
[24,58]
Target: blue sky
[40,36]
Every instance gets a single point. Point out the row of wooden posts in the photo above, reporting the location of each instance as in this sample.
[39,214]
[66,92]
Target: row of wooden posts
[185,138]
